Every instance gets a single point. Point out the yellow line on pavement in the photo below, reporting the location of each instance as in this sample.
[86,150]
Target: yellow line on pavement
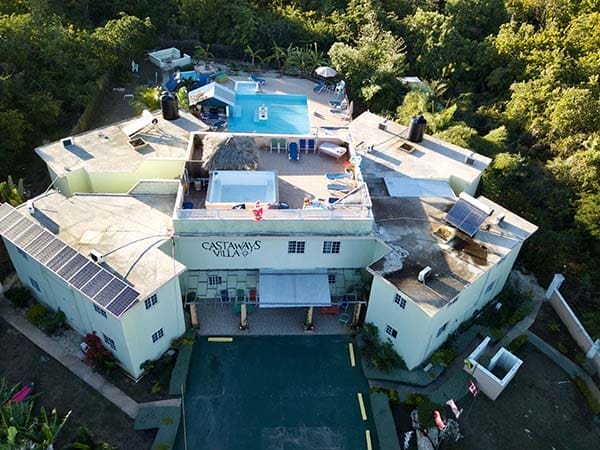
[368,438]
[361,403]
[351,351]
[220,339]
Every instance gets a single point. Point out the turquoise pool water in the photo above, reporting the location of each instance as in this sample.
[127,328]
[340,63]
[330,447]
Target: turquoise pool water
[287,114]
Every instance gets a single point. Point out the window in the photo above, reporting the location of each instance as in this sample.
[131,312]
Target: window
[400,301]
[391,331]
[109,342]
[151,301]
[157,335]
[23,254]
[489,287]
[442,329]
[35,284]
[213,280]
[331,246]
[99,310]
[296,246]
[331,278]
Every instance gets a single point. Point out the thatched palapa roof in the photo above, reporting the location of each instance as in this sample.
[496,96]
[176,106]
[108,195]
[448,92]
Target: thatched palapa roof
[227,152]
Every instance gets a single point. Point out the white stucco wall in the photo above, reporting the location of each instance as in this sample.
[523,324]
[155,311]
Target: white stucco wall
[140,323]
[132,333]
[256,252]
[418,335]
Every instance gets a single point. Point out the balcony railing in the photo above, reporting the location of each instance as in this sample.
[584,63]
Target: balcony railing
[356,213]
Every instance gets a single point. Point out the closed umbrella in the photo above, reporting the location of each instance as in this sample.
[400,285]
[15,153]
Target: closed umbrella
[325,71]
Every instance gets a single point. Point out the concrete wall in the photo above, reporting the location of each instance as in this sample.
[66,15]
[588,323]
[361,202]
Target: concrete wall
[256,252]
[292,223]
[575,327]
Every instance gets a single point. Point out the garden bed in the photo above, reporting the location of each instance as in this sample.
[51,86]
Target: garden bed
[549,327]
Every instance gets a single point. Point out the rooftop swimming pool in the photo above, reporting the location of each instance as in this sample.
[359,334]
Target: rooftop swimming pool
[284,114]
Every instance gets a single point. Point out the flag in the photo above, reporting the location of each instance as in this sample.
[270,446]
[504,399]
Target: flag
[452,404]
[472,388]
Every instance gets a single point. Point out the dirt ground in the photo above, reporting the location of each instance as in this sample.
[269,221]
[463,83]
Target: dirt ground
[540,409]
[58,388]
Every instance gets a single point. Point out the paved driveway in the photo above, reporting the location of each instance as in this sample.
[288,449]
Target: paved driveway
[275,393]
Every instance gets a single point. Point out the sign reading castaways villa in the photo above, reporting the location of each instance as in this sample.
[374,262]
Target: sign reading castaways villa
[231,249]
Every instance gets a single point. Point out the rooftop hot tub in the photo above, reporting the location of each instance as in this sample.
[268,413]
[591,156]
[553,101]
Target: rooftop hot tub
[228,188]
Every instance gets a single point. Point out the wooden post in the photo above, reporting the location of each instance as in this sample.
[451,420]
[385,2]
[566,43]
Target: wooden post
[194,316]
[243,317]
[356,315]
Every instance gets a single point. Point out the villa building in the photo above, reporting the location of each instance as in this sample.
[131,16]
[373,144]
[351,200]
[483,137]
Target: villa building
[150,216]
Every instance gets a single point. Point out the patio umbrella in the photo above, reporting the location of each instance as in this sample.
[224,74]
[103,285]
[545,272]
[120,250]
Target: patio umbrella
[229,153]
[326,71]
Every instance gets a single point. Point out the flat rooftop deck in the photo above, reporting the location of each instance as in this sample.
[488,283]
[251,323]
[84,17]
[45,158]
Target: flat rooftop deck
[107,149]
[407,225]
[297,180]
[122,227]
[430,159]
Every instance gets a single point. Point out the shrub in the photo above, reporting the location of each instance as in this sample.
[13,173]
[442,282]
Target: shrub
[148,365]
[54,322]
[19,296]
[97,356]
[587,394]
[176,344]
[380,354]
[45,318]
[562,348]
[444,356]
[517,343]
[37,314]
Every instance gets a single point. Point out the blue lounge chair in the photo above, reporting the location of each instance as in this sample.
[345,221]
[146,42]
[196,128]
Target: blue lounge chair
[219,124]
[293,152]
[260,81]
[319,87]
[340,104]
[303,145]
[312,145]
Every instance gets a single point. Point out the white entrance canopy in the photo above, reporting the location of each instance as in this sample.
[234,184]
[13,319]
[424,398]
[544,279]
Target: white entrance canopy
[293,288]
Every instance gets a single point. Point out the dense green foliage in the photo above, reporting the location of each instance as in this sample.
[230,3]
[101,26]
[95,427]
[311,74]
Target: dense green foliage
[516,80]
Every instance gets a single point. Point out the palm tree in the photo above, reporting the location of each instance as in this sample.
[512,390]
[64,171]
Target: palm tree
[201,53]
[254,55]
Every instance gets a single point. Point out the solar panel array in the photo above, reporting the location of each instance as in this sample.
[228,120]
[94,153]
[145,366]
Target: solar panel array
[96,283]
[466,217]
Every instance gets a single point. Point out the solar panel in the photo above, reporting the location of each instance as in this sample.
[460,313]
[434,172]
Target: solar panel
[97,283]
[28,236]
[85,274]
[69,269]
[9,221]
[5,209]
[61,259]
[466,217]
[17,229]
[50,251]
[40,242]
[123,301]
[108,294]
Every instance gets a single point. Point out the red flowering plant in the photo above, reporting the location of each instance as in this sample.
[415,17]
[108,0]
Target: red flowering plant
[97,356]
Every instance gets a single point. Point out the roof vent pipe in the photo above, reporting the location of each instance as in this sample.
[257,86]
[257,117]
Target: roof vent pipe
[423,274]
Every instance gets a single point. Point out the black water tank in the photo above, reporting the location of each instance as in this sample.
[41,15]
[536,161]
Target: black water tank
[168,104]
[416,129]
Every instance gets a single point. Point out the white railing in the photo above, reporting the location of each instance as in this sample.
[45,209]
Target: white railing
[276,214]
